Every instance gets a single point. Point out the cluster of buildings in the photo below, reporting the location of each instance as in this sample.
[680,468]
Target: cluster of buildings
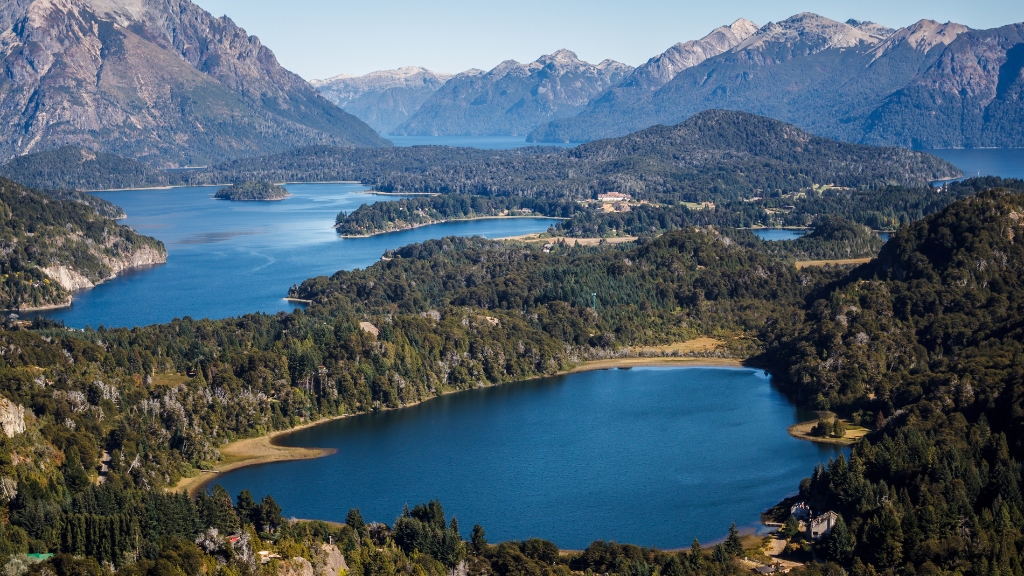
[818,526]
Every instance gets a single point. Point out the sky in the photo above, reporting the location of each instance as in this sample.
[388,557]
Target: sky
[323,38]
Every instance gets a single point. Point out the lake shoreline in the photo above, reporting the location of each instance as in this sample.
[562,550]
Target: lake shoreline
[264,450]
[413,227]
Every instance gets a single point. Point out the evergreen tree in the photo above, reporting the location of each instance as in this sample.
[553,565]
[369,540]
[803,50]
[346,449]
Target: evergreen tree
[840,542]
[216,511]
[719,555]
[673,567]
[733,545]
[790,528]
[74,473]
[696,556]
[270,513]
[478,539]
[247,509]
[354,519]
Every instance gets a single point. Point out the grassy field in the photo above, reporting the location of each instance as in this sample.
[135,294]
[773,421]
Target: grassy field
[803,431]
[688,347]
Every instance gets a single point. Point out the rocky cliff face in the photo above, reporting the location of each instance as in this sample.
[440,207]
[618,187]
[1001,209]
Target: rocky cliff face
[328,563]
[72,279]
[12,417]
[157,79]
[50,247]
[513,98]
[384,99]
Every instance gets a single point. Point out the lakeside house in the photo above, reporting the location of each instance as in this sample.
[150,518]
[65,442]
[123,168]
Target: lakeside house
[822,525]
[614,197]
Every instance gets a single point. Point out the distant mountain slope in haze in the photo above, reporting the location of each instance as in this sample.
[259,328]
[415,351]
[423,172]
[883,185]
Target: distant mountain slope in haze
[512,98]
[386,98]
[608,109]
[972,96]
[779,63]
[928,85]
[160,80]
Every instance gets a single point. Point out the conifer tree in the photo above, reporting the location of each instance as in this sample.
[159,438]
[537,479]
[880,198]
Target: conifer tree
[733,545]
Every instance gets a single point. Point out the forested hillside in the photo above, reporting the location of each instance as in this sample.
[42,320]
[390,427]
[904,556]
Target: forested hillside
[78,168]
[53,246]
[715,155]
[922,346]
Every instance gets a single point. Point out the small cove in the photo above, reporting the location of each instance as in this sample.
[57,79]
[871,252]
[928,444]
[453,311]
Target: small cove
[652,456]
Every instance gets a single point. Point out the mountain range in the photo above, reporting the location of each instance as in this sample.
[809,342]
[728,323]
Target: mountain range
[387,98]
[159,80]
[929,85]
[512,98]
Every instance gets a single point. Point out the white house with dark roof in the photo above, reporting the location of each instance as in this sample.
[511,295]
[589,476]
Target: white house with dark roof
[822,525]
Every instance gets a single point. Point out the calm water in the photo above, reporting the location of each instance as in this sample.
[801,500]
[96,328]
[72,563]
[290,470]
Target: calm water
[484,142]
[773,234]
[1005,162]
[652,456]
[231,258]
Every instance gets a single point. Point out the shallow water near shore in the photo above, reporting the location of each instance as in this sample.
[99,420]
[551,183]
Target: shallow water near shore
[651,456]
[227,259]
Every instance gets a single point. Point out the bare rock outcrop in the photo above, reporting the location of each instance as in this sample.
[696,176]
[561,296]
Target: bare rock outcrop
[72,280]
[12,417]
[328,564]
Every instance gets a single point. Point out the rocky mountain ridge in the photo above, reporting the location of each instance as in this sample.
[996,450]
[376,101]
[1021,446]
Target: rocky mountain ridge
[386,98]
[161,80]
[512,98]
[659,70]
[928,85]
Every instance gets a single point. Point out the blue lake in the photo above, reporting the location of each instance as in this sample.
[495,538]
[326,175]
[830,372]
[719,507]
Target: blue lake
[773,234]
[651,456]
[227,259]
[483,142]
[1005,162]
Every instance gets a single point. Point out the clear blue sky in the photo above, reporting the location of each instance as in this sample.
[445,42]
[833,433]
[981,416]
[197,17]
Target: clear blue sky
[321,38]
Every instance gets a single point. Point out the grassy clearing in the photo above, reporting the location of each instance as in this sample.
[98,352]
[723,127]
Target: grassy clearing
[688,347]
[803,431]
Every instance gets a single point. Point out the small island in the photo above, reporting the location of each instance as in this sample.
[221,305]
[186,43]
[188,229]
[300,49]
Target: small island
[251,191]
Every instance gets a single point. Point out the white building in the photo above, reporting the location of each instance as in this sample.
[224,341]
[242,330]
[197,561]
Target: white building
[822,525]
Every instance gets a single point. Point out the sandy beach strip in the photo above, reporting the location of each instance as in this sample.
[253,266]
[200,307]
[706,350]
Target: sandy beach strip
[263,450]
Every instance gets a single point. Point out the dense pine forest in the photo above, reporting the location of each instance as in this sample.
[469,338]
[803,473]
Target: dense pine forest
[922,345]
